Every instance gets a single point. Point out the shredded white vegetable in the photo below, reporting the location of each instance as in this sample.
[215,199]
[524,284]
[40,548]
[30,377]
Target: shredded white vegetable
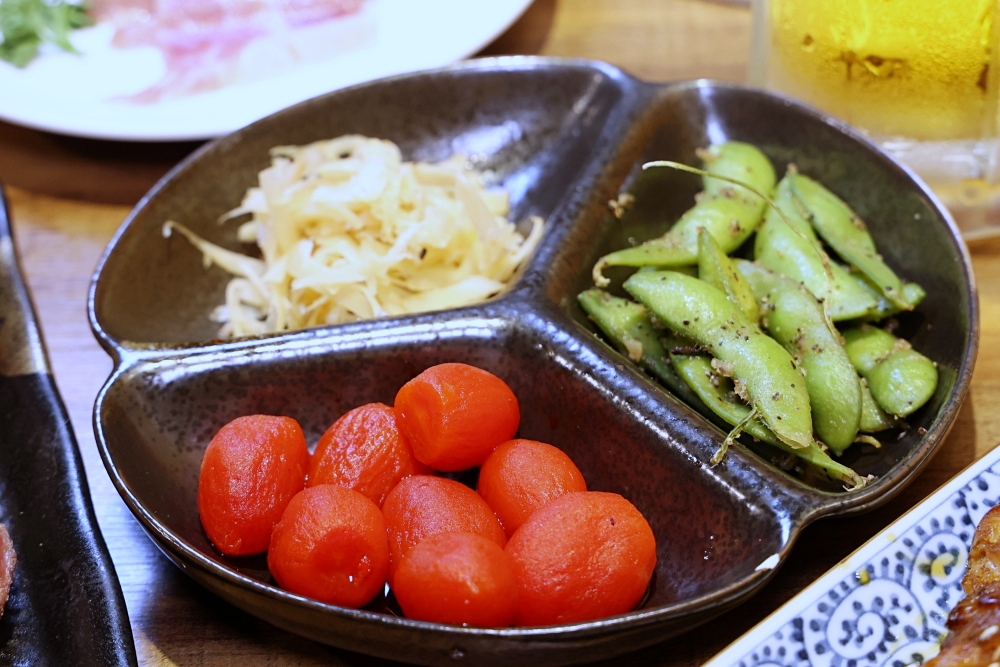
[348,231]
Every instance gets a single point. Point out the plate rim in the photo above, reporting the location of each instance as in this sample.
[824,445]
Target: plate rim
[21,114]
[748,641]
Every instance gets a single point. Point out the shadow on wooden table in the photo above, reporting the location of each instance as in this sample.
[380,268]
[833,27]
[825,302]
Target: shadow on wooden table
[105,172]
[187,625]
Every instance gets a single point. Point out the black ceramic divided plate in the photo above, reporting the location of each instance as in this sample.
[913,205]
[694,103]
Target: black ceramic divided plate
[65,605]
[563,137]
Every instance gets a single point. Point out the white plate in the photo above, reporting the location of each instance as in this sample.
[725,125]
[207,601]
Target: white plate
[82,95]
[886,604]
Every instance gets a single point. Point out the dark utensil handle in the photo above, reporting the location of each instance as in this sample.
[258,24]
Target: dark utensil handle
[21,349]
[66,606]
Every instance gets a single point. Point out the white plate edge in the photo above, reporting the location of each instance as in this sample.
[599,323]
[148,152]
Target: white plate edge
[18,116]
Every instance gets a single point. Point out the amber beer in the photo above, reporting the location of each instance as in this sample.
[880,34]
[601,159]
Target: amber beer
[919,75]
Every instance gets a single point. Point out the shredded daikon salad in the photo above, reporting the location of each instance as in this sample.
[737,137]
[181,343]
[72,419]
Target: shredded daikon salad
[349,231]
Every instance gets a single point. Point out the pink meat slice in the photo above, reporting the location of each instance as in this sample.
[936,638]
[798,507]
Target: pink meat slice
[201,39]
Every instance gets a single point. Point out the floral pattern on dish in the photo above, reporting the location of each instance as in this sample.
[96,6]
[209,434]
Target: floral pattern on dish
[886,609]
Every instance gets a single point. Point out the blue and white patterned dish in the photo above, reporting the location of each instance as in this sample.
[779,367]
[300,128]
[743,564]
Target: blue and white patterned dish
[886,604]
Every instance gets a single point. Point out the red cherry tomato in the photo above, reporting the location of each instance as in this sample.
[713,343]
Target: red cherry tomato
[330,545]
[458,578]
[251,469]
[364,451]
[421,506]
[454,415]
[583,556]
[521,476]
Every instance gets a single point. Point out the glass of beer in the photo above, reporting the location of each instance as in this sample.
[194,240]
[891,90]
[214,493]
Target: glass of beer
[920,76]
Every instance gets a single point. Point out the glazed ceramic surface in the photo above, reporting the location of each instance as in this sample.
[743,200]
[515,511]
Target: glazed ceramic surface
[563,137]
[65,605]
[887,603]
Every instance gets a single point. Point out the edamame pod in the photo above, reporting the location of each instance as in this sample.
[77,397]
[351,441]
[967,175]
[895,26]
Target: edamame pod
[873,418]
[729,220]
[728,212]
[627,325]
[741,162]
[794,318]
[716,392]
[794,214]
[761,369]
[789,246]
[689,270]
[713,389]
[900,379]
[867,346]
[847,234]
[715,268]
[904,382]
[913,294]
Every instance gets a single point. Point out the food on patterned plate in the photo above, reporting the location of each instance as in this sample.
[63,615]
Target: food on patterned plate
[349,231]
[974,625]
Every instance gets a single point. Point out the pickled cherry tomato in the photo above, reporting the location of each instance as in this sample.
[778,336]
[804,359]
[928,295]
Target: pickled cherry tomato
[580,557]
[251,469]
[454,415]
[365,451]
[330,545]
[421,506]
[521,476]
[458,578]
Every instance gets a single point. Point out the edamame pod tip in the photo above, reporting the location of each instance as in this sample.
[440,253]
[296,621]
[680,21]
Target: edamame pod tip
[760,367]
[900,379]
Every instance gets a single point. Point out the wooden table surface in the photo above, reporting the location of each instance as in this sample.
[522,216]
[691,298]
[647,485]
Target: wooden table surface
[69,195]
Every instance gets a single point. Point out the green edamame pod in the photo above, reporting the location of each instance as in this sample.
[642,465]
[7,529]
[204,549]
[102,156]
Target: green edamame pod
[900,379]
[838,220]
[628,327]
[730,221]
[847,234]
[867,346]
[728,212]
[761,369]
[691,270]
[873,418]
[913,294]
[715,268]
[794,214]
[903,382]
[741,162]
[716,392]
[796,319]
[790,247]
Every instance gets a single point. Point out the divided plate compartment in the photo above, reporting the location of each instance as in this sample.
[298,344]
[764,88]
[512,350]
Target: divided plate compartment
[563,137]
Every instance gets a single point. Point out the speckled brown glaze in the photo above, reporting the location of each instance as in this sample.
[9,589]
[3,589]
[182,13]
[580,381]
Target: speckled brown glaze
[564,137]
